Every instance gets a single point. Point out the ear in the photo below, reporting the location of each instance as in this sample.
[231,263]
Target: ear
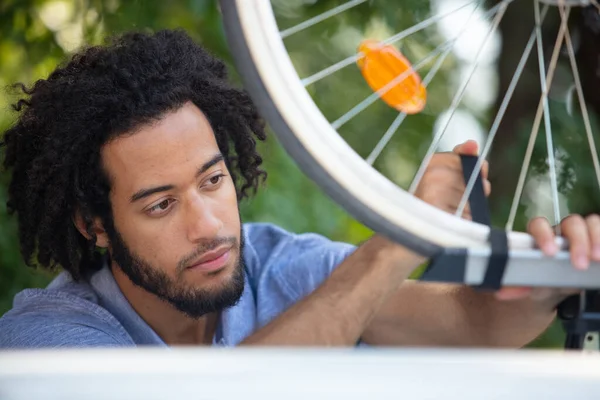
[97,228]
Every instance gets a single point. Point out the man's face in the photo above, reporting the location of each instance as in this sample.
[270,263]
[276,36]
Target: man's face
[177,231]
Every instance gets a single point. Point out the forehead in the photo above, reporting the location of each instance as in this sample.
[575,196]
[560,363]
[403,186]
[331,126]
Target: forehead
[159,153]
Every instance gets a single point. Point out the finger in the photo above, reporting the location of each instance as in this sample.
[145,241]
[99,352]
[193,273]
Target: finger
[485,168]
[441,179]
[452,162]
[487,187]
[452,196]
[513,293]
[542,232]
[447,161]
[470,148]
[593,224]
[444,188]
[575,230]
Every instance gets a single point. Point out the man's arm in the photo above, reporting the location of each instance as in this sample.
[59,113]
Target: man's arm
[338,311]
[432,314]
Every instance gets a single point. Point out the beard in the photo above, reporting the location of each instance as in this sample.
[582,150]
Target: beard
[192,301]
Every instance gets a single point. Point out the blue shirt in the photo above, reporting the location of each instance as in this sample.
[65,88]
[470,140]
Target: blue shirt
[281,268]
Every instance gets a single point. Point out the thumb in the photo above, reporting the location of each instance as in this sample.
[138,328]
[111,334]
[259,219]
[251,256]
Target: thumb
[469,148]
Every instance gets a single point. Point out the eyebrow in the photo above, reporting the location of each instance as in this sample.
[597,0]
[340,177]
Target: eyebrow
[143,193]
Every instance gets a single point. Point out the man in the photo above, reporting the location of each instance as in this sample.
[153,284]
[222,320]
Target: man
[127,167]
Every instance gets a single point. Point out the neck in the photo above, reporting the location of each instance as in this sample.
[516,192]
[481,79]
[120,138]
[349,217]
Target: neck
[173,326]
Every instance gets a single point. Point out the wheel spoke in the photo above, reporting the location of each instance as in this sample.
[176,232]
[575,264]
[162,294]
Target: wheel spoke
[536,123]
[321,17]
[456,101]
[501,111]
[400,118]
[547,122]
[386,138]
[392,39]
[582,103]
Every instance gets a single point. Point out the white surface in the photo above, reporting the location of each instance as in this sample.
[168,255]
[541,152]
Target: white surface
[265,374]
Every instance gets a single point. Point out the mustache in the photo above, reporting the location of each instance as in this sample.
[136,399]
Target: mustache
[204,247]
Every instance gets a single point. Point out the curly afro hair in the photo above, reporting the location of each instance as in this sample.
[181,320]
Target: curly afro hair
[53,149]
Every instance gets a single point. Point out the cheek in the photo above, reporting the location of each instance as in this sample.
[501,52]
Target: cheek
[227,204]
[155,244]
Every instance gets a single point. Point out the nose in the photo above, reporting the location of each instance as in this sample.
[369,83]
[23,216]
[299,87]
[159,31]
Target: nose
[201,220]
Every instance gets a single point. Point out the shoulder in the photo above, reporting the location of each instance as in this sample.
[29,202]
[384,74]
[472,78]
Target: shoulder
[269,242]
[266,239]
[43,318]
[300,261]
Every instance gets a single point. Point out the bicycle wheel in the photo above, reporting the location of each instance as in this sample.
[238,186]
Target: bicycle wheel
[288,98]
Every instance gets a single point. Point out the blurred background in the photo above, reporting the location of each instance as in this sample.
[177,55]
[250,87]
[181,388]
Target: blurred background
[36,35]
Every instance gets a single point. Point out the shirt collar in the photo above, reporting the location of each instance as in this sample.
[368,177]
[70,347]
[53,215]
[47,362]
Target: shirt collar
[234,325]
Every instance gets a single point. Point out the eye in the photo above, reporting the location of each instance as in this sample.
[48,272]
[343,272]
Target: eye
[214,181]
[160,208]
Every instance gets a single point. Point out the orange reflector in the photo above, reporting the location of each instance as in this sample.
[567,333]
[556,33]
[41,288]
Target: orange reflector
[383,65]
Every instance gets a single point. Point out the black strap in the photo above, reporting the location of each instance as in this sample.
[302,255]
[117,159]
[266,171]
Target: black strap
[498,260]
[480,213]
[477,200]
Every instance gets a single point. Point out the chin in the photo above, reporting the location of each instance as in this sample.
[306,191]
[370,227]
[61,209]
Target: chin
[219,278]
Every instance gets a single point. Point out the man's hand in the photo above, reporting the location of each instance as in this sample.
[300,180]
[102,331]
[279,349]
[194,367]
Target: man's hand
[583,235]
[443,183]
[443,186]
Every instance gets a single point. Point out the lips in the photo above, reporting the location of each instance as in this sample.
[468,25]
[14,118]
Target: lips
[212,260]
